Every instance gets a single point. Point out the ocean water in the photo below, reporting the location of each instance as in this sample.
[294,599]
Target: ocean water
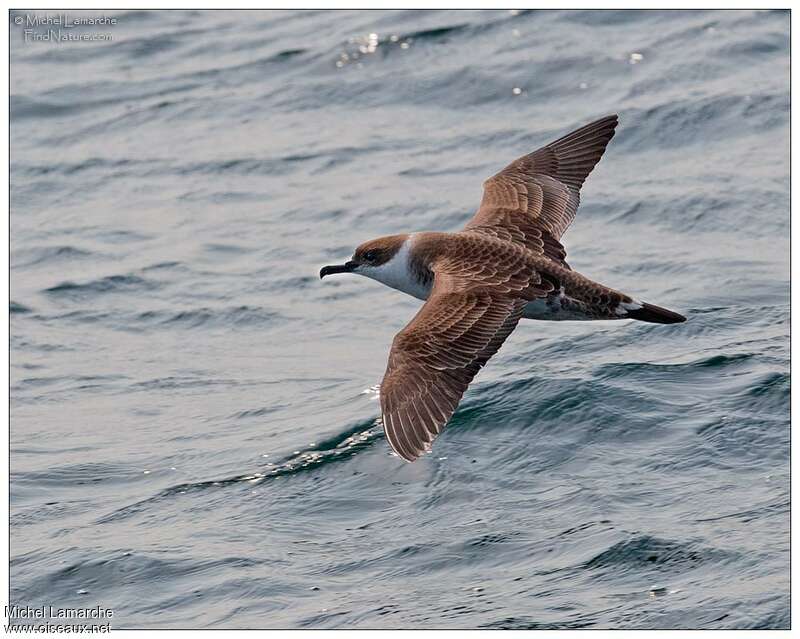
[193,413]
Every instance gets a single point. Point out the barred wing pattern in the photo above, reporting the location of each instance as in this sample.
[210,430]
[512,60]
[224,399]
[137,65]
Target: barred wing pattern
[434,358]
[534,199]
[428,373]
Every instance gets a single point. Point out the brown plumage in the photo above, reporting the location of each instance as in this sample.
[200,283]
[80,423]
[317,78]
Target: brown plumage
[507,263]
[479,292]
[534,199]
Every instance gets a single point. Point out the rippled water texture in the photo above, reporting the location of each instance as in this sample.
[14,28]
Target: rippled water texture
[192,443]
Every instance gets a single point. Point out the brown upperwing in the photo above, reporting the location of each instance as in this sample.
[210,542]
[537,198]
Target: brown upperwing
[434,358]
[534,199]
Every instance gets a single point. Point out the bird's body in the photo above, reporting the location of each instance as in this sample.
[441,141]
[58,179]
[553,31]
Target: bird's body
[411,270]
[478,283]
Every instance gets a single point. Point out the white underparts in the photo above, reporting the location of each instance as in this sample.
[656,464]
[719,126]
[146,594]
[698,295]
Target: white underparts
[397,273]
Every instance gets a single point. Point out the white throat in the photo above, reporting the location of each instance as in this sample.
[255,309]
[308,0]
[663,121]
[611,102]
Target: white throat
[397,273]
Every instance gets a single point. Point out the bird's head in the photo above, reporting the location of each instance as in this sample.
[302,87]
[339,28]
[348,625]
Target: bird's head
[369,259]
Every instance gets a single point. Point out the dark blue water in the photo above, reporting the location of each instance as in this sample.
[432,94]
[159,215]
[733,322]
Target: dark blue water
[193,434]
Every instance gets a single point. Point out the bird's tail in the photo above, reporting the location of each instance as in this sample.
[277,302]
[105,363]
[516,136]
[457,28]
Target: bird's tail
[652,313]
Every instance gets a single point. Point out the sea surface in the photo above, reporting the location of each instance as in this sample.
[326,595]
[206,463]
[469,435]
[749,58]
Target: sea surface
[193,412]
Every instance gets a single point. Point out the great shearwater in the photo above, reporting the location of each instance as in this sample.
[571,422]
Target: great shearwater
[506,264]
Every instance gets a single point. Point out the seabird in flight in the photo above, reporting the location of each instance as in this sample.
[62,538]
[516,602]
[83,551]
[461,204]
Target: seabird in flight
[506,264]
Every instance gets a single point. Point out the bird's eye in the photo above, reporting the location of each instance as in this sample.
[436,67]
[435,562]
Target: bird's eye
[371,256]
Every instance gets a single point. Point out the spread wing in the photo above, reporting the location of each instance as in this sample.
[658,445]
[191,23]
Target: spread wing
[436,356]
[534,199]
